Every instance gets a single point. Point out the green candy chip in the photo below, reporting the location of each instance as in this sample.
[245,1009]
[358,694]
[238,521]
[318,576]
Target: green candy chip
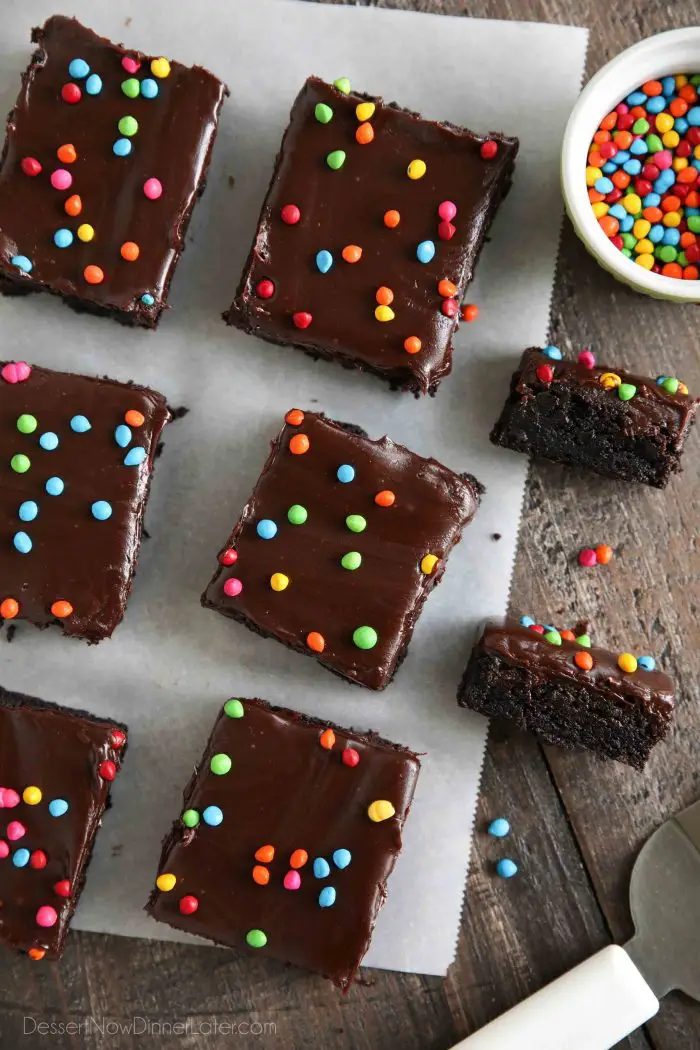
[128,126]
[20,463]
[626,391]
[256,938]
[190,818]
[27,424]
[342,84]
[297,515]
[220,764]
[584,640]
[131,87]
[553,637]
[365,637]
[356,523]
[352,560]
[336,159]
[323,113]
[234,709]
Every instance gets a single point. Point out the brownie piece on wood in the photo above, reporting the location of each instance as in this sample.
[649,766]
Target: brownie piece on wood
[369,234]
[56,767]
[340,544]
[76,456]
[289,831]
[556,685]
[604,418]
[107,151]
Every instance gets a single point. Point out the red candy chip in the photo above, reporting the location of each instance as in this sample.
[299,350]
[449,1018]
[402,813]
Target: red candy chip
[350,757]
[545,373]
[71,93]
[265,289]
[625,121]
[302,319]
[30,166]
[107,770]
[446,231]
[62,888]
[587,557]
[537,628]
[228,557]
[449,307]
[188,904]
[38,859]
[290,214]
[488,149]
[117,738]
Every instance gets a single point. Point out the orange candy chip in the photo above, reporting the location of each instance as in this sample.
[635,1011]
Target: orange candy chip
[134,418]
[61,609]
[266,854]
[384,295]
[73,205]
[391,218]
[130,251]
[603,553]
[385,498]
[36,953]
[9,609]
[316,641]
[569,636]
[584,661]
[260,874]
[352,253]
[299,444]
[470,312]
[67,154]
[298,858]
[364,134]
[412,345]
[93,275]
[295,417]
[327,739]
[446,288]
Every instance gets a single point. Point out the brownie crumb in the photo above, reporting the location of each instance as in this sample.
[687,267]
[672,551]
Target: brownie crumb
[495,536]
[10,632]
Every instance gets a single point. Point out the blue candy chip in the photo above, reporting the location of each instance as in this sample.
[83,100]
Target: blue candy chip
[627,223]
[122,148]
[63,238]
[345,473]
[266,529]
[101,510]
[656,104]
[22,263]
[213,816]
[28,510]
[553,352]
[499,828]
[322,868]
[122,435]
[54,486]
[326,897]
[609,167]
[647,663]
[671,236]
[147,299]
[135,456]
[49,441]
[22,542]
[20,858]
[425,251]
[656,233]
[637,98]
[693,116]
[93,84]
[526,621]
[324,261]
[80,424]
[78,69]
[681,125]
[621,156]
[342,858]
[604,185]
[506,868]
[668,86]
[149,88]
[58,807]
[632,167]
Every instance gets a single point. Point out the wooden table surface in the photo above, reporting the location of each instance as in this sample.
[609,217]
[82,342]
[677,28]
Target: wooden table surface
[578,822]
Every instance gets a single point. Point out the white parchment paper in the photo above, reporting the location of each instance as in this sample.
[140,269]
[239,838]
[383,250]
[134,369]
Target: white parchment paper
[171,664]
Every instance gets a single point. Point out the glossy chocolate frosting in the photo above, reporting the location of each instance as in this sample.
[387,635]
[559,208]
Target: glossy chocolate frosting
[286,790]
[175,136]
[74,556]
[432,506]
[346,207]
[59,751]
[523,647]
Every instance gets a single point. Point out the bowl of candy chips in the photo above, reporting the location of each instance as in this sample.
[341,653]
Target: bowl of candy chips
[630,166]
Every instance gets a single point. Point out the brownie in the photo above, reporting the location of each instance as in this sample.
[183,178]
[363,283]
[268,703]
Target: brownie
[56,768]
[369,234]
[77,455]
[601,417]
[569,693]
[340,544]
[107,151]
[289,832]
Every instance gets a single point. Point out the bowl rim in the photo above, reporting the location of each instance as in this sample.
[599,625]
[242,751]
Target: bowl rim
[655,56]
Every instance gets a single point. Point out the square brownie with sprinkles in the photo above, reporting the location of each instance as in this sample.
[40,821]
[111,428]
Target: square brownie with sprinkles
[340,544]
[56,768]
[299,869]
[369,234]
[106,153]
[77,455]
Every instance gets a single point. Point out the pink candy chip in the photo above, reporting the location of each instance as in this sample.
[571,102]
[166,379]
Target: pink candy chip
[447,210]
[292,880]
[16,372]
[61,179]
[8,798]
[15,831]
[46,916]
[663,159]
[130,64]
[4,849]
[153,189]
[587,557]
[587,359]
[233,587]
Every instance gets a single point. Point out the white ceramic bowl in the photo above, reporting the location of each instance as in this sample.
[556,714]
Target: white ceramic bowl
[653,58]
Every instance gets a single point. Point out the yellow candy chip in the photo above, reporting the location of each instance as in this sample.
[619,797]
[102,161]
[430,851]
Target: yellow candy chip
[641,228]
[380,810]
[592,175]
[678,163]
[384,313]
[279,582]
[416,169]
[608,380]
[86,232]
[428,563]
[365,111]
[664,122]
[632,203]
[32,796]
[671,218]
[671,139]
[627,662]
[166,882]
[696,153]
[682,389]
[599,209]
[644,247]
[646,260]
[681,79]
[160,67]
